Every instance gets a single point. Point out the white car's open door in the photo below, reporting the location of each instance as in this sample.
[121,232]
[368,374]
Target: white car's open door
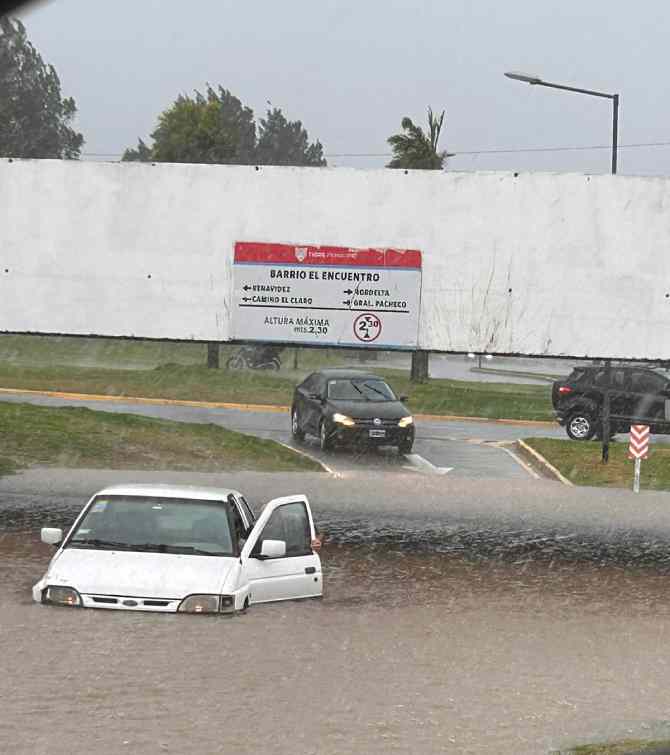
[282,573]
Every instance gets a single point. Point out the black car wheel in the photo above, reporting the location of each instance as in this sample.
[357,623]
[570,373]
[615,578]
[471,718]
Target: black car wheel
[324,441]
[580,426]
[296,432]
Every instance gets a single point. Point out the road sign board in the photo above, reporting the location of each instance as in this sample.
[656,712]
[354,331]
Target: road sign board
[638,447]
[327,296]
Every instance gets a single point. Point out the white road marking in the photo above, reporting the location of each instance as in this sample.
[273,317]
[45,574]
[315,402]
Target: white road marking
[323,465]
[419,464]
[518,460]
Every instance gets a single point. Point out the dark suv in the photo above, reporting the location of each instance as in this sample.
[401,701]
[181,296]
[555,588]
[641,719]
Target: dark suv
[637,395]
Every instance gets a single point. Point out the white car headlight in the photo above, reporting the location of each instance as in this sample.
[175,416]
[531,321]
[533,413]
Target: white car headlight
[207,604]
[405,421]
[63,596]
[342,419]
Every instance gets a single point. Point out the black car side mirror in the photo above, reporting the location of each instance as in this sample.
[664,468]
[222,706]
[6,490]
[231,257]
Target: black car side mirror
[403,398]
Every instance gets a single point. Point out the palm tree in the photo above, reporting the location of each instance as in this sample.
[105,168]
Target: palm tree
[416,150]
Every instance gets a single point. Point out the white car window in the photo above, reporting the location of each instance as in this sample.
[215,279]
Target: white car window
[169,525]
[289,523]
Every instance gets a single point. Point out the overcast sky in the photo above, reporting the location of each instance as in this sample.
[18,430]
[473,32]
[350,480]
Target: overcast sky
[351,70]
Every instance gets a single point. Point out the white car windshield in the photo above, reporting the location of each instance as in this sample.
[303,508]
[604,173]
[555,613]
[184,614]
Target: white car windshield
[359,390]
[163,525]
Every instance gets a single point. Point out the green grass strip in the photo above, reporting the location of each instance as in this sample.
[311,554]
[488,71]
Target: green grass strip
[625,747]
[581,463]
[77,437]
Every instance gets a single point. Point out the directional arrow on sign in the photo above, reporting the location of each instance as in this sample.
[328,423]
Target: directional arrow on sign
[347,302]
[348,292]
[246,288]
[246,298]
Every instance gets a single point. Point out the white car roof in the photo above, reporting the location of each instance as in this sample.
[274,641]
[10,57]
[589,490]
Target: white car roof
[170,491]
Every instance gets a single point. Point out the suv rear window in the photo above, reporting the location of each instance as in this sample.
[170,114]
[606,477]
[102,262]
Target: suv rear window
[617,378]
[647,382]
[576,375]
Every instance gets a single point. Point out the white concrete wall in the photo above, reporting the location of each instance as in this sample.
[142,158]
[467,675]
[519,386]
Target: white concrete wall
[556,264]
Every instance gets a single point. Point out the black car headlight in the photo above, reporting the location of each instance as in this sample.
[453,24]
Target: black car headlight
[342,419]
[62,596]
[207,604]
[405,422]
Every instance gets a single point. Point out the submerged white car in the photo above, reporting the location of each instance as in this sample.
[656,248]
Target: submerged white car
[196,550]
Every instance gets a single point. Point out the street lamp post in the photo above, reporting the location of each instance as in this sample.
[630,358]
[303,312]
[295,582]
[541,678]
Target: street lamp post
[536,81]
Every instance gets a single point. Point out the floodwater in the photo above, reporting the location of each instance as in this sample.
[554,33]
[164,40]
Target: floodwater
[427,640]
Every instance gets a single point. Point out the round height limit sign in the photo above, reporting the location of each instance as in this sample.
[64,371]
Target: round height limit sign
[326,295]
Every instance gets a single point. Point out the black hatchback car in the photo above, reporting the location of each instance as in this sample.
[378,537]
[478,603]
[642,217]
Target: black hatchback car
[637,395]
[350,407]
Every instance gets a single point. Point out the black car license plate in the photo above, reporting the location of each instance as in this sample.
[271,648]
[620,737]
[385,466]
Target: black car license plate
[377,433]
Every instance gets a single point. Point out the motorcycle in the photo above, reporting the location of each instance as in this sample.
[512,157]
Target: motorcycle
[255,358]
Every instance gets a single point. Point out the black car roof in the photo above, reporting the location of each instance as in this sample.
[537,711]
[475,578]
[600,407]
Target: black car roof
[625,366]
[346,372]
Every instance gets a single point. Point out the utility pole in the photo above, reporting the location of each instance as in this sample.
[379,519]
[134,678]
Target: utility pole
[213,355]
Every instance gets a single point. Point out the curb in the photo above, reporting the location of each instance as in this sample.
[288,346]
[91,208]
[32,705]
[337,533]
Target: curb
[143,400]
[459,418]
[279,409]
[537,457]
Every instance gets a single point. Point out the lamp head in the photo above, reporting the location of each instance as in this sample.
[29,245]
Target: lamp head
[525,77]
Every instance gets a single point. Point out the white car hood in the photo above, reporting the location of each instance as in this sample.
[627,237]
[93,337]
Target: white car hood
[147,575]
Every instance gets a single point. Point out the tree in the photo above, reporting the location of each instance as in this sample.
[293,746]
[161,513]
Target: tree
[34,117]
[416,150]
[217,128]
[140,155]
[282,142]
[210,128]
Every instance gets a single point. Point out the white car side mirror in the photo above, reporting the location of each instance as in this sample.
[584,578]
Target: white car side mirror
[52,535]
[273,549]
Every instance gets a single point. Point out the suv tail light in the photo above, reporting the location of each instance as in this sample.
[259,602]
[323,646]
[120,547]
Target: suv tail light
[564,389]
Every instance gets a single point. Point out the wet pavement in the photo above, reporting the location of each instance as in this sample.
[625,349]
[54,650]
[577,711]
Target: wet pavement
[459,448]
[465,449]
[455,619]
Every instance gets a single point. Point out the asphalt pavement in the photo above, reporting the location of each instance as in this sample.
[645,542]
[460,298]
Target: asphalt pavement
[464,449]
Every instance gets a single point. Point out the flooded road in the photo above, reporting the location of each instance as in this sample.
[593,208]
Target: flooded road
[433,636]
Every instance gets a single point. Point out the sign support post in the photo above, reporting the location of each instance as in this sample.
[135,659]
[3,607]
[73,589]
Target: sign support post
[606,413]
[636,481]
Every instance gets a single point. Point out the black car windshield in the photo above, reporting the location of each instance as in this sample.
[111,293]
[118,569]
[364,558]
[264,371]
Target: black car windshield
[359,389]
[155,524]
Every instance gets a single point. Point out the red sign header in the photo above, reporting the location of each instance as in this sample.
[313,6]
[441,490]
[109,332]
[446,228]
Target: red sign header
[252,253]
